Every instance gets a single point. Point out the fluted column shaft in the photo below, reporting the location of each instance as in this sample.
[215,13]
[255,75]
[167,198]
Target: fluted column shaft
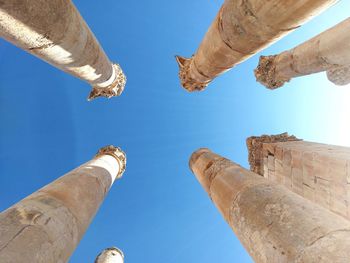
[273,223]
[329,51]
[110,255]
[55,32]
[48,225]
[241,29]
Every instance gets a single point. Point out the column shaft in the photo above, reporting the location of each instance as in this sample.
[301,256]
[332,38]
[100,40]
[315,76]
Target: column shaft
[241,29]
[110,255]
[329,51]
[55,32]
[47,225]
[273,223]
[318,172]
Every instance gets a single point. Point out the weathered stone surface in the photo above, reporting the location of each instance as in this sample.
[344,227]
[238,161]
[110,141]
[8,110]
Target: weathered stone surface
[110,255]
[55,32]
[46,226]
[329,51]
[273,223]
[255,148]
[318,172]
[339,76]
[241,29]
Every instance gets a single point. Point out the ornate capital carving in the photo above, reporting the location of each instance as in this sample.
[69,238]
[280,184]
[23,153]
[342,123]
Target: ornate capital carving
[117,153]
[265,73]
[115,89]
[255,147]
[187,81]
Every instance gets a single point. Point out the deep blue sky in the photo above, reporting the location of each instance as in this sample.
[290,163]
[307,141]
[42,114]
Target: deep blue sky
[158,212]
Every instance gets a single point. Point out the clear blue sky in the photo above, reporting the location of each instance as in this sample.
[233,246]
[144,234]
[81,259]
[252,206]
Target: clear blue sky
[158,212]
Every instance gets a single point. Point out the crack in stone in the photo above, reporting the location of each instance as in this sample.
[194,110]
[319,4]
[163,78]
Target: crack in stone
[16,235]
[318,239]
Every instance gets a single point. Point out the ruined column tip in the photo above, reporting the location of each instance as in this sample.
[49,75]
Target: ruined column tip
[187,82]
[195,156]
[265,73]
[339,76]
[113,90]
[255,146]
[117,153]
[110,255]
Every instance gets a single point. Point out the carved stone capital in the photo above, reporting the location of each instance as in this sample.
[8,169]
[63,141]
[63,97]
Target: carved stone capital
[115,89]
[255,148]
[265,73]
[117,153]
[187,81]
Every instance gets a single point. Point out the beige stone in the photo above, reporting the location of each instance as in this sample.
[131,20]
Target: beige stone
[46,226]
[273,223]
[110,255]
[257,146]
[55,32]
[329,51]
[339,75]
[318,172]
[241,29]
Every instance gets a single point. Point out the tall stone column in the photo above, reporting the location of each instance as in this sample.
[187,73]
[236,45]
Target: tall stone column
[318,172]
[329,51]
[273,223]
[241,29]
[46,226]
[55,32]
[110,255]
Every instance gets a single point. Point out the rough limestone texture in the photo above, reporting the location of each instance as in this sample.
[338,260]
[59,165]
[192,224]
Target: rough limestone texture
[273,223]
[46,226]
[55,32]
[339,76]
[318,172]
[241,29]
[110,255]
[329,51]
[255,144]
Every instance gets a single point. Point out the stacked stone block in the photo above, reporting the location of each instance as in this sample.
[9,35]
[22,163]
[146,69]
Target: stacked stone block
[318,172]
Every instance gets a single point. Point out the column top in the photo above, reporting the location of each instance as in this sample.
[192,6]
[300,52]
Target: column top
[113,90]
[108,254]
[187,81]
[265,73]
[117,153]
[340,75]
[255,147]
[195,155]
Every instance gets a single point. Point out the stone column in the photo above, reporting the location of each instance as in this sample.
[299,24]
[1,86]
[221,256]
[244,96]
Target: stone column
[329,51]
[110,255]
[55,32]
[273,223]
[241,29]
[46,226]
[318,172]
